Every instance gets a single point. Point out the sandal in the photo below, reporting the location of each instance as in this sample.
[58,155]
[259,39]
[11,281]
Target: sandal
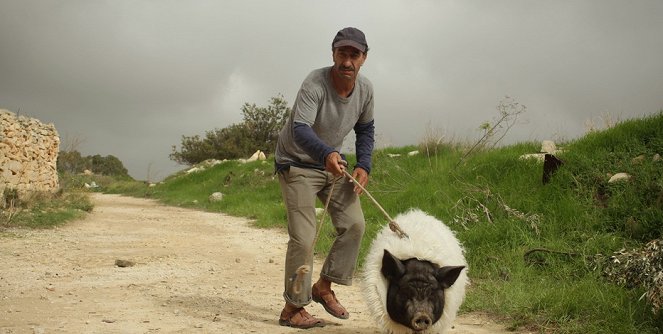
[330,303]
[299,318]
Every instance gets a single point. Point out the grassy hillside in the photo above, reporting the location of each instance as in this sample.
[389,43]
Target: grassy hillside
[535,251]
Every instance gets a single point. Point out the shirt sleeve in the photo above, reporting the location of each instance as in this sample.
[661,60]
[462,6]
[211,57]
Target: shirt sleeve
[306,138]
[364,143]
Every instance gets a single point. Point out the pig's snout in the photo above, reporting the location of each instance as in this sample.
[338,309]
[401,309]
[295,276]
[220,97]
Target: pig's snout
[421,321]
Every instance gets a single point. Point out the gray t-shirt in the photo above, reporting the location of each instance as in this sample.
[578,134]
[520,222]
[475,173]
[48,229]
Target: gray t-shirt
[330,116]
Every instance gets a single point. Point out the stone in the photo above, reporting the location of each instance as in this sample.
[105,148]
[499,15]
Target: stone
[548,146]
[28,155]
[124,263]
[216,197]
[619,177]
[258,155]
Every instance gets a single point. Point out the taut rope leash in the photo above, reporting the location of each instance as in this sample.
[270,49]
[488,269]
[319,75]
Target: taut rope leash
[392,223]
[305,269]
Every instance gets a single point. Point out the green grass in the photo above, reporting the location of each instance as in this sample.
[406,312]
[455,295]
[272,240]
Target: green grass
[500,210]
[46,211]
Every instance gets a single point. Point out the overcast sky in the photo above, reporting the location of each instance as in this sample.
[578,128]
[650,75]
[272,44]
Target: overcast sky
[129,78]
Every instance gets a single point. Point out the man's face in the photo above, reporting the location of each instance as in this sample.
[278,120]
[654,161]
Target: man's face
[347,61]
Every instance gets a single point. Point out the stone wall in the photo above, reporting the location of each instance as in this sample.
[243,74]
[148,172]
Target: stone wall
[28,156]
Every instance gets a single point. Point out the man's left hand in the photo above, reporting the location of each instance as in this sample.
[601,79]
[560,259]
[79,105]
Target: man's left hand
[361,176]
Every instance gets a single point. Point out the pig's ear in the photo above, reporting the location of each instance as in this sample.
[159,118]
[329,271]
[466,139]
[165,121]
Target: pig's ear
[392,268]
[448,275]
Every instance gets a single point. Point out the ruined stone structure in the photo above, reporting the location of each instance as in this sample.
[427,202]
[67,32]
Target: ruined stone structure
[28,156]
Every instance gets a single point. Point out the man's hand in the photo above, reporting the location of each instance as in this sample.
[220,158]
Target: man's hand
[361,176]
[334,164]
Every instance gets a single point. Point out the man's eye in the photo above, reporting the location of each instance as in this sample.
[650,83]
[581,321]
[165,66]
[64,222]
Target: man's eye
[352,55]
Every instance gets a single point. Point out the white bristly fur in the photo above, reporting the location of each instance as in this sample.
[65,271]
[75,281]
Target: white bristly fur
[430,240]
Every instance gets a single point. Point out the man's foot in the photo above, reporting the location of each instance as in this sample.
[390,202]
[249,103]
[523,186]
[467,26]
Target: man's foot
[327,298]
[299,318]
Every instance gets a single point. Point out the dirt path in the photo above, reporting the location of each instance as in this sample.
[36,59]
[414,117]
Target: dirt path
[195,272]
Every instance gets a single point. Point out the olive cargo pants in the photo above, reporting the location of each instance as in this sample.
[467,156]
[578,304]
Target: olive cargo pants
[299,188]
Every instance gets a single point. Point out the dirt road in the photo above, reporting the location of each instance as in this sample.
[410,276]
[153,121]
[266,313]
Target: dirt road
[194,272]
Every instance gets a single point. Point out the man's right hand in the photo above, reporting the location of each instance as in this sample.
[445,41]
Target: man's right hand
[334,164]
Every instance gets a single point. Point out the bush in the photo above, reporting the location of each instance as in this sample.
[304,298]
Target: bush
[259,130]
[73,162]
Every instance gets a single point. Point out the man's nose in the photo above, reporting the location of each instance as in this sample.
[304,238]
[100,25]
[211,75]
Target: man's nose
[347,62]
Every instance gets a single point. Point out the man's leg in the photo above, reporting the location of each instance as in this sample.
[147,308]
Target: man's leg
[348,219]
[339,267]
[298,188]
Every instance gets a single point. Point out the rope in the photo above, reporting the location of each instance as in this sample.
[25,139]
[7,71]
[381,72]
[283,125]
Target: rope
[305,269]
[392,223]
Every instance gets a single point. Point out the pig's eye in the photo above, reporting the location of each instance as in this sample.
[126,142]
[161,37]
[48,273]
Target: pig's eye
[419,284]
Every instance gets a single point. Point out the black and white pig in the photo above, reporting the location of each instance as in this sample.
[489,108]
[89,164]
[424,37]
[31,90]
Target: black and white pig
[415,284]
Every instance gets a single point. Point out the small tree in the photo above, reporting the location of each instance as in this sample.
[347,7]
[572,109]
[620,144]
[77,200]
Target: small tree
[264,124]
[108,165]
[259,130]
[194,150]
[71,162]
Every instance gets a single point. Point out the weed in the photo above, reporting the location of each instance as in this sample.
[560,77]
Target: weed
[493,132]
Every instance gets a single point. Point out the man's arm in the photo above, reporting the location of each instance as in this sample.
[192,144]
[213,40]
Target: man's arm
[364,144]
[364,148]
[311,143]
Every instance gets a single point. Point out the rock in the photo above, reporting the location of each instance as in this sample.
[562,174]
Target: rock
[124,263]
[91,185]
[638,160]
[536,156]
[258,155]
[548,146]
[413,153]
[29,151]
[216,197]
[619,177]
[657,157]
[195,169]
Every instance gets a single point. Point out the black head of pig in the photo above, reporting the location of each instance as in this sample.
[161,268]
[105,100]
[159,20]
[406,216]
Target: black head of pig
[415,296]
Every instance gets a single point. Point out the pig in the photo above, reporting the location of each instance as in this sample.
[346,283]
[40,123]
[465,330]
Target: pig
[415,284]
[415,295]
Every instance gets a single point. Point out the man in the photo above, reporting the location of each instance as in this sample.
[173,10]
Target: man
[331,102]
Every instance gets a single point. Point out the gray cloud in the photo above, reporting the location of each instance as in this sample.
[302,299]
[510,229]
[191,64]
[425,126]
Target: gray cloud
[131,77]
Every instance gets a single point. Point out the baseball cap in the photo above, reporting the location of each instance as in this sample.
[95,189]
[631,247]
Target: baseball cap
[350,37]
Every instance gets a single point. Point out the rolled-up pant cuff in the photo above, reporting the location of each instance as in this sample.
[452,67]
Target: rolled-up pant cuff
[341,281]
